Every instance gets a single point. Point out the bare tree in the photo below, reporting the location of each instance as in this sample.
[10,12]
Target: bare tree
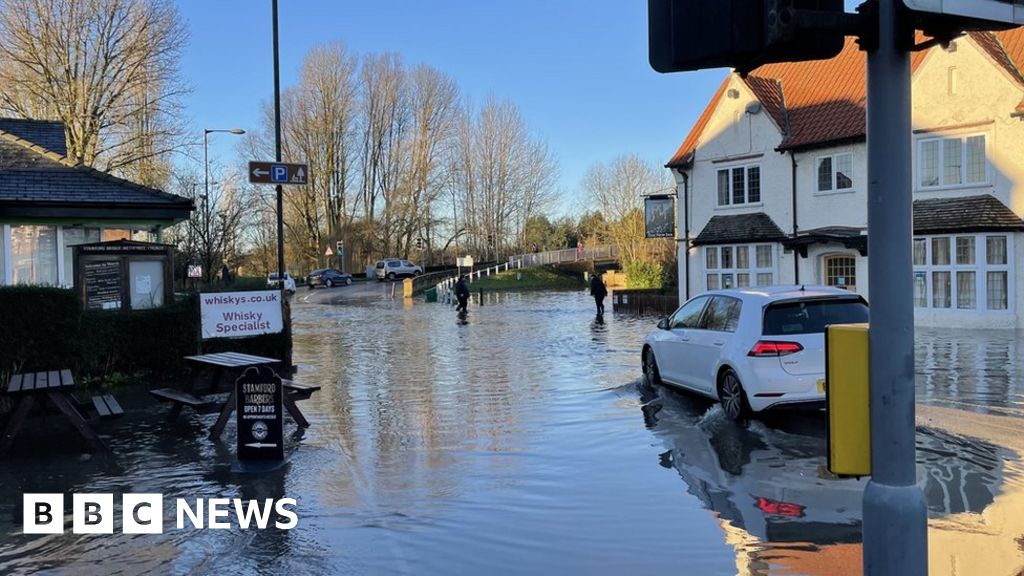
[504,175]
[108,69]
[617,189]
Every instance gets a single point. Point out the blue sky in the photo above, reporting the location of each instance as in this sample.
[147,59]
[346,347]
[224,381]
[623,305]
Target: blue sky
[576,68]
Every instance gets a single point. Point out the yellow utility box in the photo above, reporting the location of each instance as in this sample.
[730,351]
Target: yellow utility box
[847,361]
[407,288]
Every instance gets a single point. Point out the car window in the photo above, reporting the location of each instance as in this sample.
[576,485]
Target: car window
[689,314]
[722,314]
[380,264]
[812,316]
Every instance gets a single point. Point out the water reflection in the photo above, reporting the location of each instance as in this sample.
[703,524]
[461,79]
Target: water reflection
[507,441]
[979,370]
[785,514]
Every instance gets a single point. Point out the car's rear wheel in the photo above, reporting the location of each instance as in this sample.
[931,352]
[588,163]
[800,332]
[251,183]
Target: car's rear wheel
[329,283]
[733,397]
[391,275]
[348,281]
[651,367]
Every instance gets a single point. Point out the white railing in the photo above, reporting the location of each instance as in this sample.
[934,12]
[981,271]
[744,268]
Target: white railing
[445,289]
[602,252]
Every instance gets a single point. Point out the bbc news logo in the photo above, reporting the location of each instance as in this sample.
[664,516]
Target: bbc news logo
[144,513]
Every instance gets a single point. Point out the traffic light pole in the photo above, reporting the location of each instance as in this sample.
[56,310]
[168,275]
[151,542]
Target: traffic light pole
[895,515]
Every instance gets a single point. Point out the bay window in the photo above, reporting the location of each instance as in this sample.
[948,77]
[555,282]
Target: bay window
[962,272]
[736,267]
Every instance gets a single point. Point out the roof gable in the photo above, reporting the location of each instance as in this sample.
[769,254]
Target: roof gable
[822,102]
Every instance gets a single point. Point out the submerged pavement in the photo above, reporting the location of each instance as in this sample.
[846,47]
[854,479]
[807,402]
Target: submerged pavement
[519,439]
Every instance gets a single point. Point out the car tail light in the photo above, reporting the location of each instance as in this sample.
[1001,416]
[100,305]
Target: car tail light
[766,348]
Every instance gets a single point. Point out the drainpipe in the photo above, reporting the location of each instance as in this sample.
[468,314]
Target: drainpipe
[686,233]
[796,253]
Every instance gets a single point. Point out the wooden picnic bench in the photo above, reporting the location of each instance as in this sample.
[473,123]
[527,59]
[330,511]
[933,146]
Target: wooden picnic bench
[54,387]
[221,364]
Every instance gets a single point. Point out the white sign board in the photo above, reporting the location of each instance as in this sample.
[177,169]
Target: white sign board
[1007,11]
[464,262]
[240,314]
[195,271]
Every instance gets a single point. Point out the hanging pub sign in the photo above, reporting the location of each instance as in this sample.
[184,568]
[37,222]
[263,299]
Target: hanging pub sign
[259,398]
[660,216]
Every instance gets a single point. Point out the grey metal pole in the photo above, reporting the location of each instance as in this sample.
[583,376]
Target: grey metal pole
[895,516]
[277,149]
[206,207]
[280,193]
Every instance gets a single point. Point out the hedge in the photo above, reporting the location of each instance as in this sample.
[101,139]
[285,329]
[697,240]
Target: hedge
[46,329]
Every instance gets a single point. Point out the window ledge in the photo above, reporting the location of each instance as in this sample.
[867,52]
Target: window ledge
[739,206]
[974,186]
[834,192]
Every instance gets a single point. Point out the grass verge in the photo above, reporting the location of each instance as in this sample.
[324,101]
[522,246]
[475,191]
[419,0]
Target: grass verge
[535,278]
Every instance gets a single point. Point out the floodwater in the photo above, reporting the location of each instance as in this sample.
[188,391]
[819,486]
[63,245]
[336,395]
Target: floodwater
[517,439]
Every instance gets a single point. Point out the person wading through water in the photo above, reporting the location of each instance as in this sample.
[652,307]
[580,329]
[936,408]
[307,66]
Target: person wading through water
[462,293]
[598,291]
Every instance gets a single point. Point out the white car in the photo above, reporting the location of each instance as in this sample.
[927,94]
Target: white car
[289,282]
[753,349]
[394,268]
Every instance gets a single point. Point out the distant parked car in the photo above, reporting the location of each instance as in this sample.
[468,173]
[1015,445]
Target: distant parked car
[753,349]
[289,282]
[328,277]
[394,268]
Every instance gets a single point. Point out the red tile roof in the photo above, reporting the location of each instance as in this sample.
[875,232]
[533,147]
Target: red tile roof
[823,102]
[684,155]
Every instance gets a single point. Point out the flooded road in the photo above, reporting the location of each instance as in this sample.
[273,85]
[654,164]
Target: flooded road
[519,440]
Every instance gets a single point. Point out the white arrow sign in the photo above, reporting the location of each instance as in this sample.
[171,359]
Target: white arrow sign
[261,445]
[257,172]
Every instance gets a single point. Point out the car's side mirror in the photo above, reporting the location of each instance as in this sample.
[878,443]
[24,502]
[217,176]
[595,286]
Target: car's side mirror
[663,324]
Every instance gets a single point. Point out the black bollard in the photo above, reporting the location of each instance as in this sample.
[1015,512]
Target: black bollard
[481,296]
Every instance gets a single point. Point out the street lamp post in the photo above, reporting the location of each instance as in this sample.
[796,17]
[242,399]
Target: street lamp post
[206,195]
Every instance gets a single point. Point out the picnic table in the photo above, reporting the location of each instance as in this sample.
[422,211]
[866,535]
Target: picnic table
[38,388]
[198,394]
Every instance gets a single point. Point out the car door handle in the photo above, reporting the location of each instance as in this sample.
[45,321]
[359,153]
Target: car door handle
[719,342]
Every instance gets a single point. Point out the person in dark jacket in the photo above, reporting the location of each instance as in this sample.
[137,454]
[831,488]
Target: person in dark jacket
[598,291]
[462,293]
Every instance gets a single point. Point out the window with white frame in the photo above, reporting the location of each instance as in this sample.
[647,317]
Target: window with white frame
[739,266]
[962,272]
[951,161]
[739,185]
[835,173]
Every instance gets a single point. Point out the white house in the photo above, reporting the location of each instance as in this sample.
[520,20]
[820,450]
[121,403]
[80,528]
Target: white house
[772,180]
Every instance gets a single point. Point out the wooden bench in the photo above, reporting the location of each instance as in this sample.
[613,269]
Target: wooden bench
[106,406]
[54,387]
[180,398]
[299,391]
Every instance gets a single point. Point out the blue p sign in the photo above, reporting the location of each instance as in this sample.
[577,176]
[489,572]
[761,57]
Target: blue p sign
[279,173]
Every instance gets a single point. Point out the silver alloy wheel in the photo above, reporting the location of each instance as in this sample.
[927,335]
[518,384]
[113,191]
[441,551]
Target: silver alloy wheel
[329,283]
[730,393]
[391,275]
[348,281]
